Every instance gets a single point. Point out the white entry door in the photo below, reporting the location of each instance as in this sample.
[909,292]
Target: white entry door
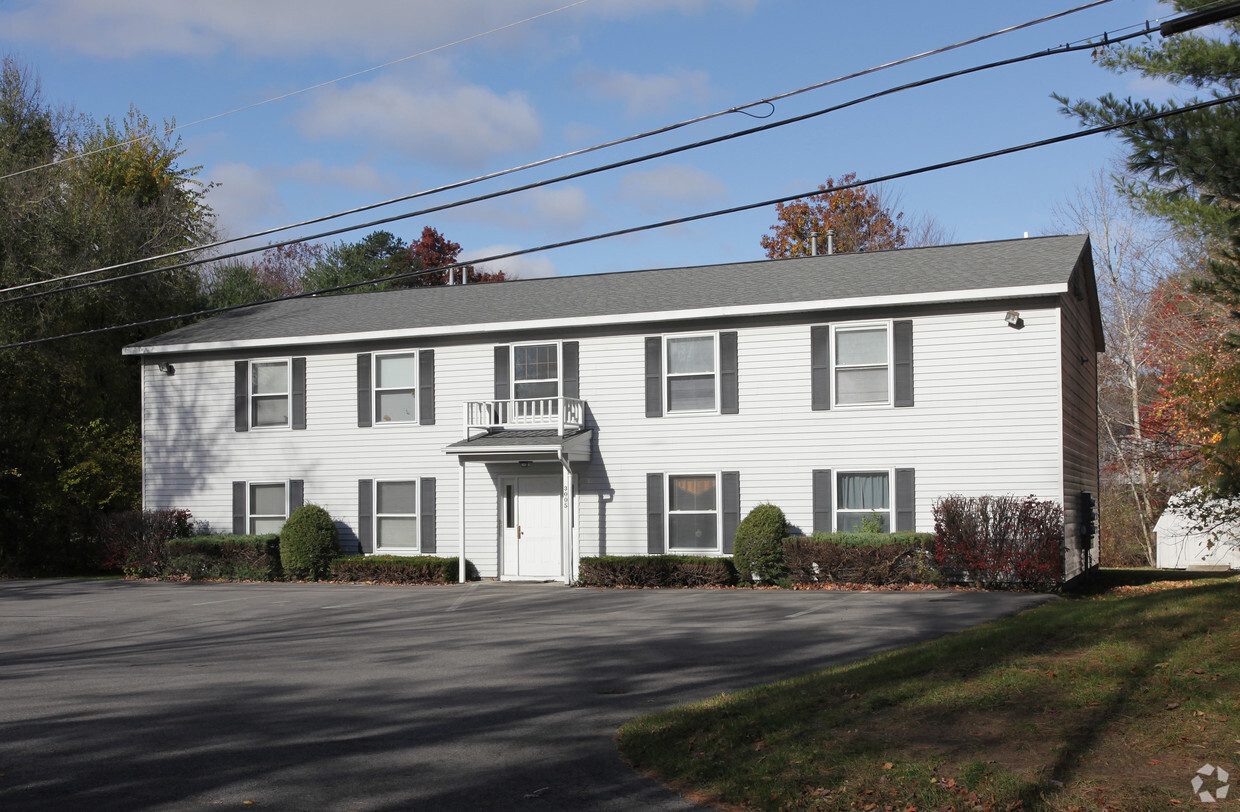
[531,510]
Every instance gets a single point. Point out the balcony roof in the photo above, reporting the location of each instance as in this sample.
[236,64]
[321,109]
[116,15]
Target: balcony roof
[531,444]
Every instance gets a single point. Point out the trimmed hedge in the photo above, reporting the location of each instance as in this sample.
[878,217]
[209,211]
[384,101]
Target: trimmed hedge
[309,543]
[399,569]
[758,547]
[225,557]
[656,571]
[859,558]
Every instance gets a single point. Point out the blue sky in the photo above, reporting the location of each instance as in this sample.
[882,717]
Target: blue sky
[599,70]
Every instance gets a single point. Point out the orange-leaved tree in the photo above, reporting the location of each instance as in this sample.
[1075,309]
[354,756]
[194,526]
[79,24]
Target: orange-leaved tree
[861,219]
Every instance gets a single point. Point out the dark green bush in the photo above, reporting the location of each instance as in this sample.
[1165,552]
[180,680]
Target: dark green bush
[309,543]
[656,571]
[859,558]
[759,547]
[397,569]
[225,557]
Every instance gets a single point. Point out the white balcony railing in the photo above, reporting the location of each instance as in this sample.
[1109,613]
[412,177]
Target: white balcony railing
[561,414]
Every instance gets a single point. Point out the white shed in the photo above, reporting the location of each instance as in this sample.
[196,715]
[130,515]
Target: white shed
[1180,546]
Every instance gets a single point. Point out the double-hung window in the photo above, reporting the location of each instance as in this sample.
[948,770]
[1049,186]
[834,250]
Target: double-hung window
[268,506]
[396,378]
[692,512]
[692,384]
[269,394]
[536,378]
[863,498]
[396,515]
[862,365]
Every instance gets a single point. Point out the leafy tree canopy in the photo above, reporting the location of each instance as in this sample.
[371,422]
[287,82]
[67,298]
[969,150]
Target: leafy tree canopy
[860,218]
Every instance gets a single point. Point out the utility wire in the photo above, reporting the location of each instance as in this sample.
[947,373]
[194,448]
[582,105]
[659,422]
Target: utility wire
[544,161]
[291,93]
[1059,139]
[559,179]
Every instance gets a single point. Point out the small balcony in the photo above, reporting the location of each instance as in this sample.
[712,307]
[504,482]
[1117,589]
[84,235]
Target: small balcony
[564,415]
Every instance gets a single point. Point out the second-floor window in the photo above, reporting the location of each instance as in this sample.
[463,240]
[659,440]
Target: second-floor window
[535,371]
[691,373]
[269,393]
[862,365]
[396,378]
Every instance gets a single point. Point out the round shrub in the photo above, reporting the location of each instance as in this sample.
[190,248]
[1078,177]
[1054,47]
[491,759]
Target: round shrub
[309,543]
[759,546]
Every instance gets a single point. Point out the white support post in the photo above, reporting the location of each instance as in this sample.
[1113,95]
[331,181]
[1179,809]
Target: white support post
[566,519]
[460,506]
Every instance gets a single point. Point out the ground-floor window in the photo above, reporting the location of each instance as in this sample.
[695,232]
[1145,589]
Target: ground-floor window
[396,514]
[863,500]
[268,506]
[693,512]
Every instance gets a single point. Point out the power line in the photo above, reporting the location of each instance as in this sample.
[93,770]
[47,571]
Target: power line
[1063,49]
[291,93]
[542,162]
[662,224]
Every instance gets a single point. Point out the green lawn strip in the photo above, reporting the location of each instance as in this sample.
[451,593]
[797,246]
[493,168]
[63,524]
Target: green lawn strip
[1101,702]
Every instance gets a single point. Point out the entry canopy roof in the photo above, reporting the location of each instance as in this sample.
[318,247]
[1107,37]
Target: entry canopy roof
[510,445]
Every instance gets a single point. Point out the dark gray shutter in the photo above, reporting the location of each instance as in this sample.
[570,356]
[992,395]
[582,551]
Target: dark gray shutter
[729,385]
[902,361]
[426,387]
[655,544]
[239,514]
[427,505]
[364,409]
[296,494]
[299,393]
[366,515]
[571,372]
[502,390]
[820,368]
[241,395]
[906,500]
[654,376]
[822,500]
[731,508]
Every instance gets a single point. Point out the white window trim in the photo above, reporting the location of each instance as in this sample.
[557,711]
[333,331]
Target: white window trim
[250,515]
[559,367]
[379,549]
[667,513]
[891,495]
[375,419]
[835,386]
[666,364]
[288,393]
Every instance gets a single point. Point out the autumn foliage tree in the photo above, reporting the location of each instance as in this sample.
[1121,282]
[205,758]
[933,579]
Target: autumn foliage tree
[860,217]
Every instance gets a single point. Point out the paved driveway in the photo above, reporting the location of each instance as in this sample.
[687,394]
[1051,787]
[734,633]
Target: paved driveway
[118,695]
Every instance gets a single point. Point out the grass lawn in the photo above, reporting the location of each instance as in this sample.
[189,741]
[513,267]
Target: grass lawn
[1106,701]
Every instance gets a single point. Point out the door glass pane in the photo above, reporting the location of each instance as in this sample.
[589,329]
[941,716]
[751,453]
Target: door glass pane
[688,355]
[543,389]
[270,411]
[397,497]
[396,370]
[861,385]
[267,500]
[395,407]
[861,346]
[691,393]
[536,363]
[269,378]
[397,531]
[693,531]
[692,492]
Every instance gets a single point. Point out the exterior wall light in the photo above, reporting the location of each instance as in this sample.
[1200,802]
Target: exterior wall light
[1013,319]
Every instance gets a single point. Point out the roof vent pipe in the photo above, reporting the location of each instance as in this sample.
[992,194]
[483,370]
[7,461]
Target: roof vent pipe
[813,243]
[830,241]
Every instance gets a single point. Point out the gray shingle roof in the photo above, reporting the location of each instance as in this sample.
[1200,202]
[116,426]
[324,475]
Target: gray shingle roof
[905,272]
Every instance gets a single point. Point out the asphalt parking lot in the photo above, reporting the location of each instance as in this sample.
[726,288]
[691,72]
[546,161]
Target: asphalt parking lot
[144,695]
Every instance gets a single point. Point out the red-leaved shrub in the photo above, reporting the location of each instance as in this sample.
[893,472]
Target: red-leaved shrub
[995,541]
[132,541]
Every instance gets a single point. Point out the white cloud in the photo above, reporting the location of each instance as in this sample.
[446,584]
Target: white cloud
[242,197]
[359,176]
[463,125]
[527,266]
[550,209]
[648,94]
[651,189]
